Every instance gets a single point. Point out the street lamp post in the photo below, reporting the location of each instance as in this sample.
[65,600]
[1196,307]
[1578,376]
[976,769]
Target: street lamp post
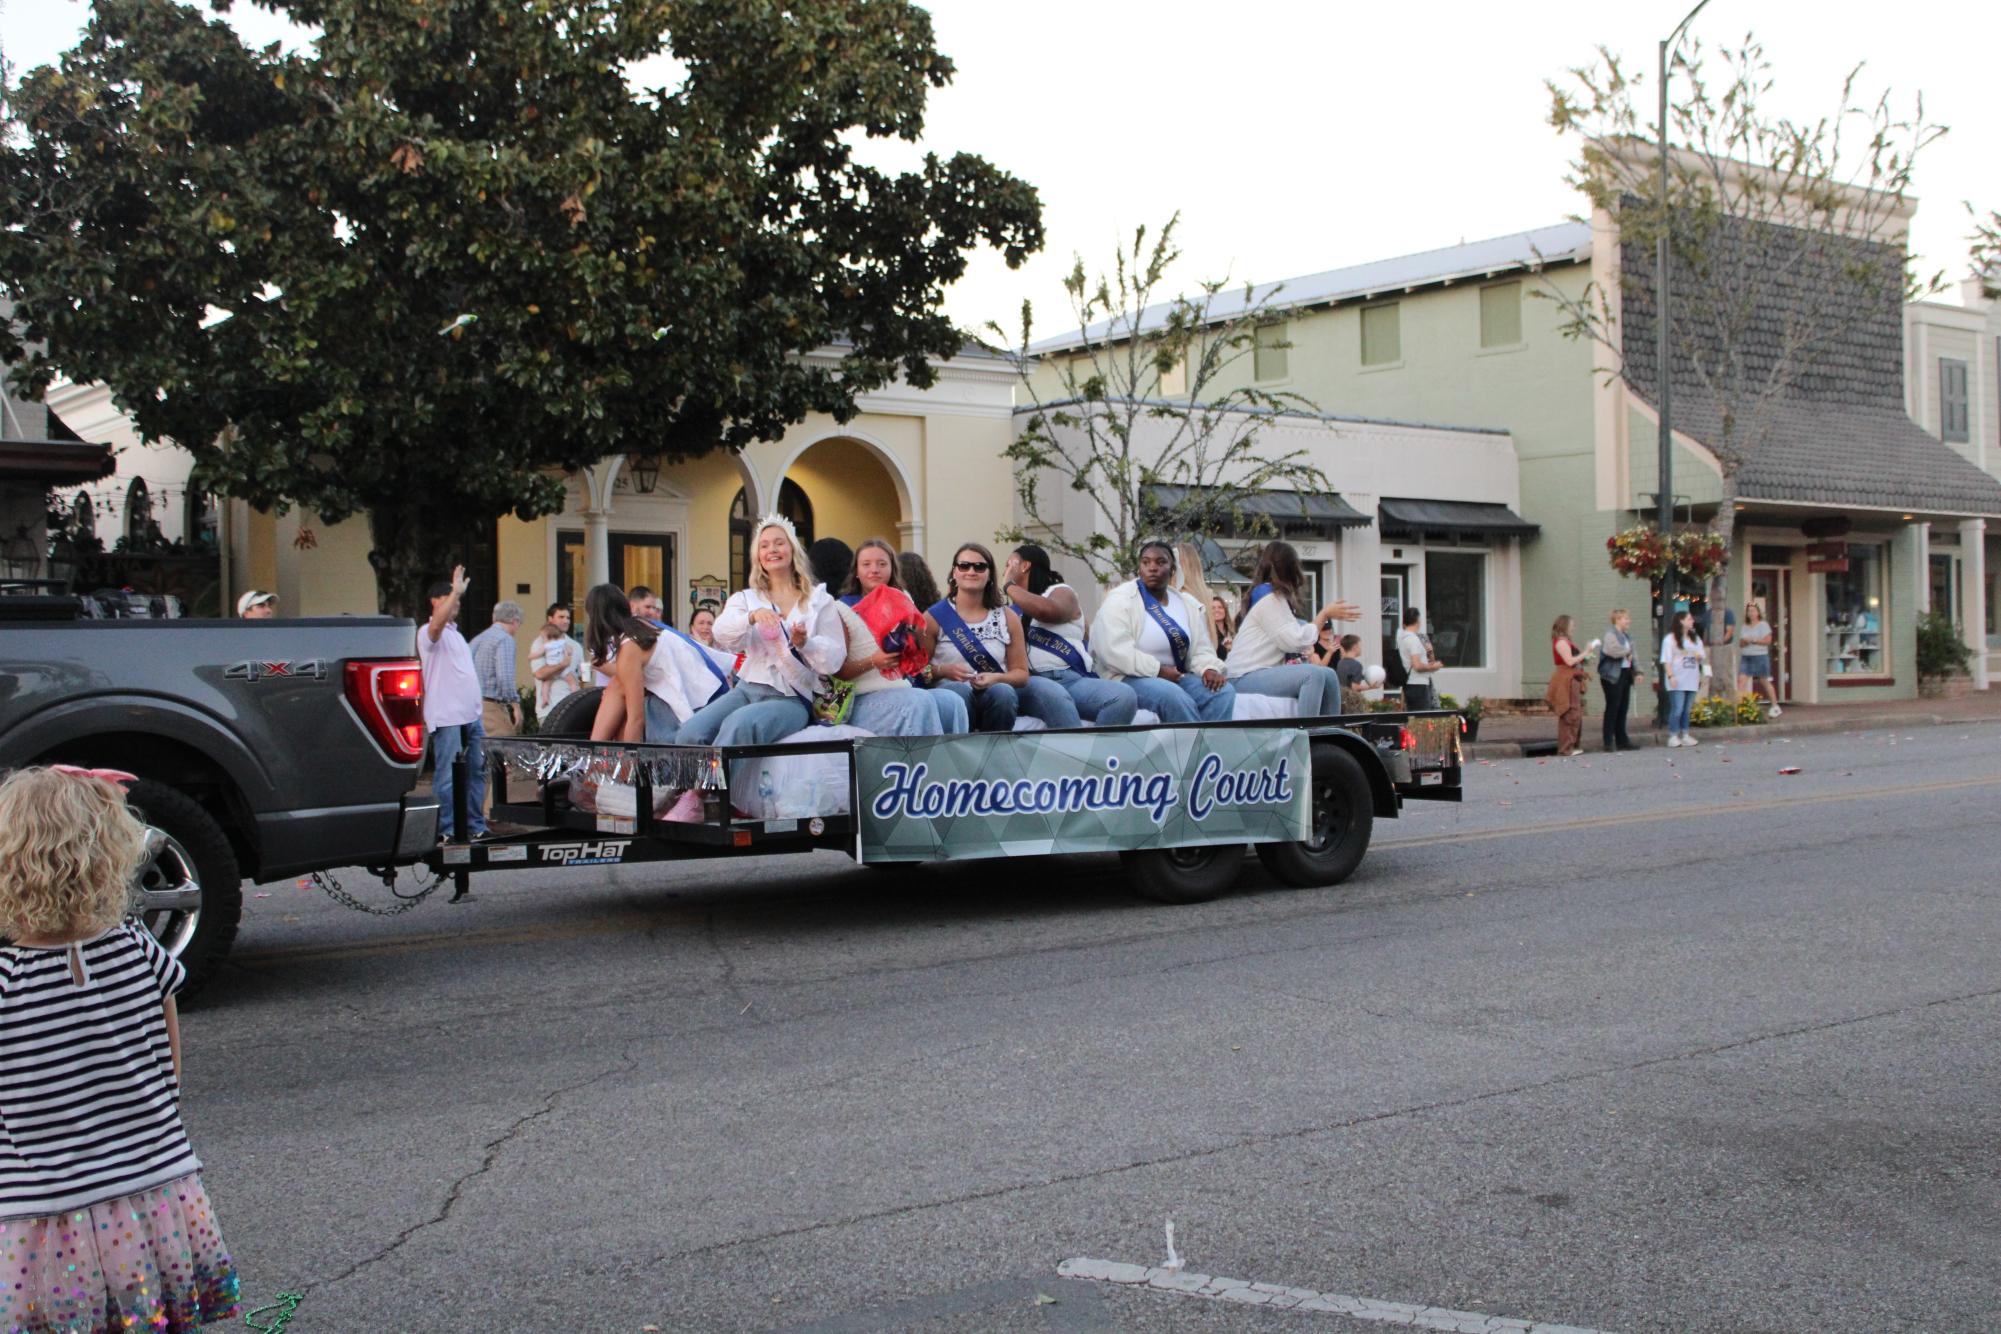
[1664,484]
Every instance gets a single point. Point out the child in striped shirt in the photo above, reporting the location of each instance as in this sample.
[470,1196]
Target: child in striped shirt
[103,1221]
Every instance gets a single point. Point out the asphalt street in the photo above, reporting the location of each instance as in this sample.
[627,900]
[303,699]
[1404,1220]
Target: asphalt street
[1663,1041]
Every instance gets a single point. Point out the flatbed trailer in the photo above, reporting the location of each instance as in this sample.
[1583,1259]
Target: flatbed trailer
[1180,803]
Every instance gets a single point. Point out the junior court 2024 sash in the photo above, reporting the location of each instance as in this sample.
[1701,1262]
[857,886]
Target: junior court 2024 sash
[955,629]
[1177,638]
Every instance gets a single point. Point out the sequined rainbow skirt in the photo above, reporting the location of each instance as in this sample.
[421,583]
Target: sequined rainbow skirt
[152,1262]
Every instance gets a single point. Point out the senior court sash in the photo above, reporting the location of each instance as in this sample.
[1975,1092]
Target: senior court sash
[1056,645]
[955,629]
[1177,638]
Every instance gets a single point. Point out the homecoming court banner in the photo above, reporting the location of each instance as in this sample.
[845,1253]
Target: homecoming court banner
[1018,794]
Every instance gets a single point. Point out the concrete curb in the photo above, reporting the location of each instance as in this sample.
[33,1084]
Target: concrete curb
[1539,749]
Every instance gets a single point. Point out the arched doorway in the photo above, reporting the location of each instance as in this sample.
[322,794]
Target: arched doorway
[854,492]
[793,504]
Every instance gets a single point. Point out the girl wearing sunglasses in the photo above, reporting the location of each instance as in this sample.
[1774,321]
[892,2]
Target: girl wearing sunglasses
[978,651]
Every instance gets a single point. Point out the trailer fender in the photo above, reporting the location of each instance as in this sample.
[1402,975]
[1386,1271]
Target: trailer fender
[1384,792]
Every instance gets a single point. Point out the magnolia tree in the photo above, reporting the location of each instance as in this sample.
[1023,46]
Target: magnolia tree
[1784,237]
[419,268]
[1151,394]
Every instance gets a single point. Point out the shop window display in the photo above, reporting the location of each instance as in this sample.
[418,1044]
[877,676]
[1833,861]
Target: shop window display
[1857,611]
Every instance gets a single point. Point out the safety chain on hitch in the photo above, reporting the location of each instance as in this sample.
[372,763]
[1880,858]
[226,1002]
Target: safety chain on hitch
[325,882]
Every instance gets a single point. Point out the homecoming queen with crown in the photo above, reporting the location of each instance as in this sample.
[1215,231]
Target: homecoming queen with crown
[789,631]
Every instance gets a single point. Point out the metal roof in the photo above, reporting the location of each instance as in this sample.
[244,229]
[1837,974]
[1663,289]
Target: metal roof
[1467,517]
[1564,243]
[1311,509]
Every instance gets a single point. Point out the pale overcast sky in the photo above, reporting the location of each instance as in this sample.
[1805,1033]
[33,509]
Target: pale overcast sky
[1296,137]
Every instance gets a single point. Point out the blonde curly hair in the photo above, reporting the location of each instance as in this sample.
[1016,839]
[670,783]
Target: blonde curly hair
[69,848]
[802,568]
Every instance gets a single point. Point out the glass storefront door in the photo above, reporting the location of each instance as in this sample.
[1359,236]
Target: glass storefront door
[1773,589]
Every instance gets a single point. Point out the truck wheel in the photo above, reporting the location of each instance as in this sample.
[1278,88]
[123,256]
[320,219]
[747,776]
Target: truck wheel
[1184,875]
[573,714]
[1344,815]
[189,892]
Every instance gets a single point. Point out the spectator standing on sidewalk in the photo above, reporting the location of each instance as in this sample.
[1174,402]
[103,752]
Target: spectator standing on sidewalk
[1687,661]
[1565,694]
[556,661]
[257,605]
[1418,664]
[1616,662]
[1754,656]
[452,707]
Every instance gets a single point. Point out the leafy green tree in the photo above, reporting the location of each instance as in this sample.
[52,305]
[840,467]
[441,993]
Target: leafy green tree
[1986,252]
[1784,237]
[421,268]
[1150,394]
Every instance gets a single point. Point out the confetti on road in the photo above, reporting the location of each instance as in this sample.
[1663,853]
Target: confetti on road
[1790,769]
[260,894]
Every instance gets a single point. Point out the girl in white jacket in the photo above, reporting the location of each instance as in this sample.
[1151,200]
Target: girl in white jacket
[789,631]
[1267,657]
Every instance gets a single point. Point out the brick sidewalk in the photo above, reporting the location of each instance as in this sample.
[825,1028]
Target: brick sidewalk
[1535,734]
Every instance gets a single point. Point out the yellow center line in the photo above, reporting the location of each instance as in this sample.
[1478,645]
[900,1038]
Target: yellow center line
[612,923]
[1687,812]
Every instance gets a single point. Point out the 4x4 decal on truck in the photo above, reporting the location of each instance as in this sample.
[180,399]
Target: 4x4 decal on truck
[255,670]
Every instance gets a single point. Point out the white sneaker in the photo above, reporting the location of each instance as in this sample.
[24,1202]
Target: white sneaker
[1674,740]
[1688,740]
[1776,711]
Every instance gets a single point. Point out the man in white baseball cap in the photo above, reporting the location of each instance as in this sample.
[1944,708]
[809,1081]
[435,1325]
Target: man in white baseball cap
[257,606]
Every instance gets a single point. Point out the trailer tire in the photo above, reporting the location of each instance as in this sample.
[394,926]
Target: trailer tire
[1184,875]
[572,715]
[1344,817]
[187,853]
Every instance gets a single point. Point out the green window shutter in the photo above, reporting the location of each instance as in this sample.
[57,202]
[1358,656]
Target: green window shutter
[1501,315]
[1382,339]
[1955,418]
[1268,361]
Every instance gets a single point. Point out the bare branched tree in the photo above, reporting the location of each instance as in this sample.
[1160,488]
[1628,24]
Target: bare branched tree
[1784,238]
[1147,399]
[1986,253]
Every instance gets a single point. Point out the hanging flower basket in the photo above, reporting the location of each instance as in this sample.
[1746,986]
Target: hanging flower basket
[1643,553]
[1699,555]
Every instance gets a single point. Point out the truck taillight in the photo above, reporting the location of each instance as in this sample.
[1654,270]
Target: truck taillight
[1406,738]
[389,696]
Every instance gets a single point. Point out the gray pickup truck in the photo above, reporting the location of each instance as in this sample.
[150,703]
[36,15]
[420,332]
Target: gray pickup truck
[263,748]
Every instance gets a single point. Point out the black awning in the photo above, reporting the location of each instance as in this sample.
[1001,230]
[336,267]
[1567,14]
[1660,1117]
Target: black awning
[1288,509]
[1461,518]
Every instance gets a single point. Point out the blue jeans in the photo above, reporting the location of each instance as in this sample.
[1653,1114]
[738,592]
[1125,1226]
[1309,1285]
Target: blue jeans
[1317,688]
[706,723]
[991,710]
[898,711]
[445,743]
[953,720]
[1048,700]
[1680,702]
[1184,701]
[1104,703]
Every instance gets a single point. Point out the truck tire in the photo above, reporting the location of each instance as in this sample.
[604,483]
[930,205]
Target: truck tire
[1344,817]
[1184,875]
[572,715]
[189,891]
